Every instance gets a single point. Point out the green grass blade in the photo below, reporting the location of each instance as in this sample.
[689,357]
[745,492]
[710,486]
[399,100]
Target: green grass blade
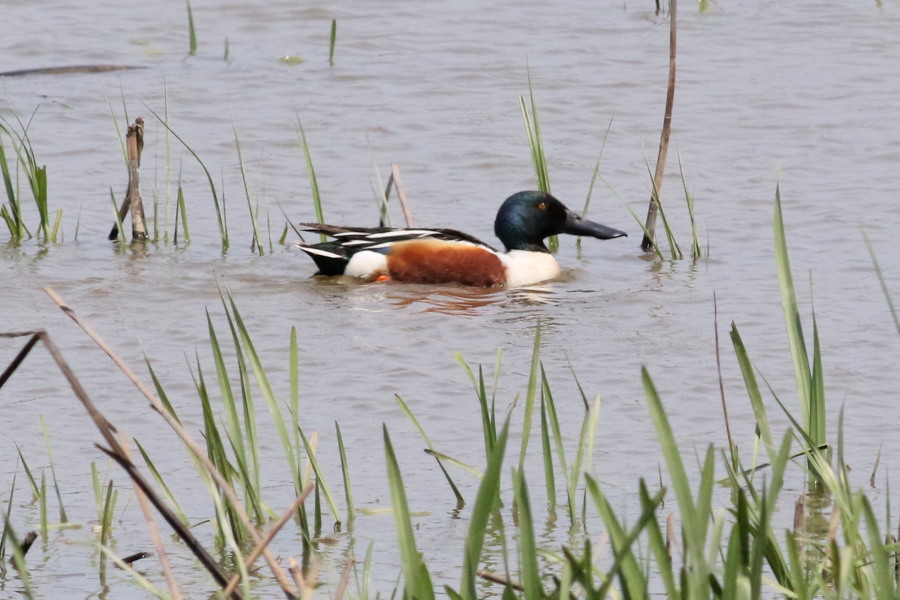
[529,396]
[529,573]
[547,454]
[257,239]
[345,470]
[626,566]
[887,294]
[535,142]
[320,477]
[262,381]
[752,386]
[693,524]
[696,251]
[331,42]
[62,509]
[313,182]
[486,503]
[170,497]
[791,313]
[415,572]
[221,214]
[192,33]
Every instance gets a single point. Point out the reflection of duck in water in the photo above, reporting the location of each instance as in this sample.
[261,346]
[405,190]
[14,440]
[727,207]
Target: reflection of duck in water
[523,222]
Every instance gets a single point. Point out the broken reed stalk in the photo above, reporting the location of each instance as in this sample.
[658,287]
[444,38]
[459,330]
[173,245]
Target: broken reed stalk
[653,208]
[134,144]
[394,182]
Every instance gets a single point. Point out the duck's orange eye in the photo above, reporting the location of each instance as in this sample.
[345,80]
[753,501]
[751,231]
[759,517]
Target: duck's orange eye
[542,206]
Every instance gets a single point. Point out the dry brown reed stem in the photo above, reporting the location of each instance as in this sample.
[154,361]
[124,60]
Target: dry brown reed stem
[494,578]
[653,208]
[833,524]
[192,445]
[345,579]
[394,182]
[134,145]
[306,584]
[116,451]
[258,550]
[144,503]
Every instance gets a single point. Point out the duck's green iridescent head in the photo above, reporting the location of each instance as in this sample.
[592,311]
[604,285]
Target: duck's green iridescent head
[526,219]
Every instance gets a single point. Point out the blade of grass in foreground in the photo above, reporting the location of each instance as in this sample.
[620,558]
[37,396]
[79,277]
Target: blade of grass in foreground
[486,503]
[488,421]
[791,312]
[530,394]
[626,566]
[320,477]
[694,523]
[345,470]
[415,572]
[756,401]
[529,573]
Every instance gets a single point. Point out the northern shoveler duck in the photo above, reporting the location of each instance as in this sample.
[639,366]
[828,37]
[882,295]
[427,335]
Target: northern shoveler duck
[523,222]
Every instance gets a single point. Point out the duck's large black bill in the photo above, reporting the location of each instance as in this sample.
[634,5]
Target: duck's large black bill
[575,225]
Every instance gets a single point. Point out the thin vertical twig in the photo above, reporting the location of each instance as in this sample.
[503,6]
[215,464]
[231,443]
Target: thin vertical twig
[394,183]
[653,208]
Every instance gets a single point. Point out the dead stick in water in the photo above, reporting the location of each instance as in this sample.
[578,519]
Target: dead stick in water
[134,144]
[650,227]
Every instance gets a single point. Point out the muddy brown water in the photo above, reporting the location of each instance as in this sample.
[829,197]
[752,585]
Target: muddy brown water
[804,95]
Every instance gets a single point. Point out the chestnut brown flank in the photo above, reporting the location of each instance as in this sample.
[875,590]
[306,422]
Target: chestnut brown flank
[437,261]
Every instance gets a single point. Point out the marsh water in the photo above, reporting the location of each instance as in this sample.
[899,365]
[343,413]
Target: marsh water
[801,95]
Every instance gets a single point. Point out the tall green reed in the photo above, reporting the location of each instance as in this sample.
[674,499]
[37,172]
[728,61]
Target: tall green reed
[536,144]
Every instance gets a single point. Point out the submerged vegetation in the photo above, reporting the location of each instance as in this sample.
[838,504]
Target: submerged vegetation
[705,543]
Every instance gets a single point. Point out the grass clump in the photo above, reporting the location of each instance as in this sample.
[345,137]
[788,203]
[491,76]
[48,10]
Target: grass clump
[35,176]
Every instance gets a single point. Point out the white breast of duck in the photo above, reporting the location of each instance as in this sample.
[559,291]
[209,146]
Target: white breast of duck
[524,267]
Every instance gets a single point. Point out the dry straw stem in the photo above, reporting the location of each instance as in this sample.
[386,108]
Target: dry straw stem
[345,579]
[652,209]
[262,545]
[394,181]
[154,530]
[195,449]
